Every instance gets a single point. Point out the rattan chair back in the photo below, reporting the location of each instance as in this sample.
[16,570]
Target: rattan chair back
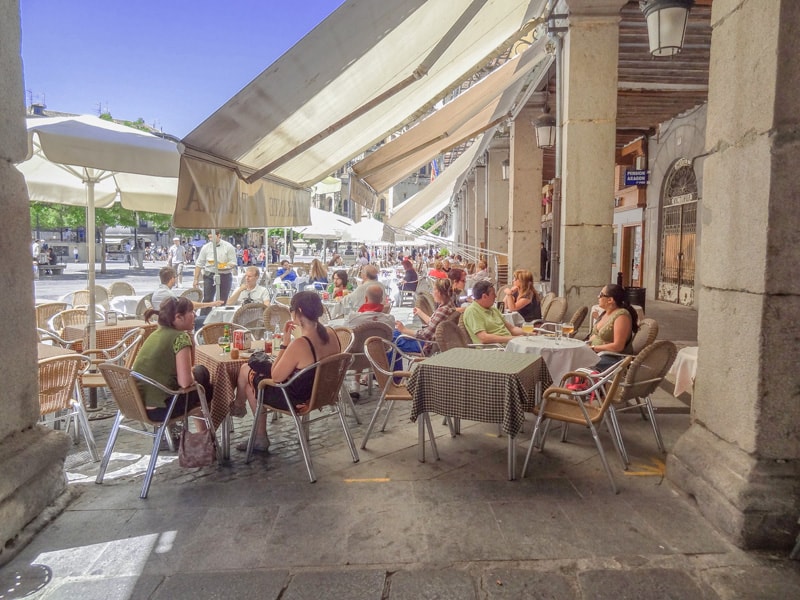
[646,335]
[46,310]
[556,310]
[80,298]
[647,371]
[345,335]
[121,288]
[194,294]
[577,319]
[209,334]
[57,376]
[546,300]
[449,335]
[361,332]
[276,315]
[251,316]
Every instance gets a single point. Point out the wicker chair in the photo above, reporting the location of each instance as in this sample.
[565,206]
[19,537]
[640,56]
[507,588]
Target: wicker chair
[574,407]
[57,382]
[121,288]
[556,310]
[360,334]
[80,298]
[449,335]
[122,383]
[425,302]
[577,320]
[646,335]
[251,316]
[642,378]
[144,304]
[194,294]
[122,353]
[276,315]
[328,377]
[209,334]
[548,298]
[393,388]
[345,335]
[101,297]
[46,310]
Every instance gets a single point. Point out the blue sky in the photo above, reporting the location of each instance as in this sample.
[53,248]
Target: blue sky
[170,62]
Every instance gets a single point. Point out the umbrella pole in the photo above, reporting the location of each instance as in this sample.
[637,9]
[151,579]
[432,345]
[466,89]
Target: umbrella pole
[217,279]
[90,236]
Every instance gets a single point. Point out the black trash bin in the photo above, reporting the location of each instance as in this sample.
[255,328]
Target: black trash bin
[636,295]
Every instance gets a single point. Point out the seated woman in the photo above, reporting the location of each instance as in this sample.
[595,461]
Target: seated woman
[340,286]
[483,270]
[443,294]
[522,297]
[615,328]
[167,356]
[316,343]
[410,277]
[335,261]
[317,274]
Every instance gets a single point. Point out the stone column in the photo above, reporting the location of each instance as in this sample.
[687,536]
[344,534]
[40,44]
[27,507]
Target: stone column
[589,112]
[525,212]
[468,210]
[480,205]
[741,456]
[31,457]
[497,205]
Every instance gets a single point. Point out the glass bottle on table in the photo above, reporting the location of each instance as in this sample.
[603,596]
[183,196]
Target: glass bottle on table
[225,344]
[277,338]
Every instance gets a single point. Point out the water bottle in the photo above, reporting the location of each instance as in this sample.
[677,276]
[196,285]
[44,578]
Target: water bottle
[277,338]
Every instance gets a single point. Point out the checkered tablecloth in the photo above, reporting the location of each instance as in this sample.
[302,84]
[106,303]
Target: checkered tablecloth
[106,335]
[224,373]
[48,351]
[476,385]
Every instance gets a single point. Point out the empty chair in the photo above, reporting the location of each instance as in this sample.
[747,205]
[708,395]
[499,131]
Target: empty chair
[328,376]
[122,353]
[345,335]
[276,315]
[548,298]
[121,288]
[556,310]
[577,320]
[251,316]
[646,335]
[209,334]
[101,297]
[122,383]
[575,407]
[46,310]
[449,335]
[194,294]
[381,353]
[45,336]
[642,378]
[144,304]
[361,332]
[284,300]
[58,398]
[425,302]
[80,298]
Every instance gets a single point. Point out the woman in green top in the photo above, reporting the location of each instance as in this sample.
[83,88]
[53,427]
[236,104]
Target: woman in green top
[614,330]
[167,356]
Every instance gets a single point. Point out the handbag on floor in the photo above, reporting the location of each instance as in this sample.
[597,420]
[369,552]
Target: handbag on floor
[196,448]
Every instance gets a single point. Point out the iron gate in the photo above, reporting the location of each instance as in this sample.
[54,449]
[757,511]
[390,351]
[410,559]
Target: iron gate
[678,235]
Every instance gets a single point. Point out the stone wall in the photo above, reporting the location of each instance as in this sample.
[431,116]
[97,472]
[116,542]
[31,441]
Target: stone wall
[31,457]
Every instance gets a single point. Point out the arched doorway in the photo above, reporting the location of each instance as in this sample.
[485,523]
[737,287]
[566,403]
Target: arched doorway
[678,234]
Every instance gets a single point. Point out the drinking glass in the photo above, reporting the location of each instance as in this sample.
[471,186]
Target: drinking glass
[567,329]
[559,333]
[223,343]
[527,327]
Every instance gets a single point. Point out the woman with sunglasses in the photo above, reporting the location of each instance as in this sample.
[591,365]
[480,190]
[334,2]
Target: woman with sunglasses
[616,326]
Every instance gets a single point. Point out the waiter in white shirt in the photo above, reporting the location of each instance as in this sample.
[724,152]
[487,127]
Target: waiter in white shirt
[225,265]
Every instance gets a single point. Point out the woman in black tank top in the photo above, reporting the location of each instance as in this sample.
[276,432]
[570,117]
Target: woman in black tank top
[317,342]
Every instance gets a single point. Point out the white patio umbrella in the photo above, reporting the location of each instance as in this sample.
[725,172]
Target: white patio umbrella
[87,161]
[369,231]
[325,225]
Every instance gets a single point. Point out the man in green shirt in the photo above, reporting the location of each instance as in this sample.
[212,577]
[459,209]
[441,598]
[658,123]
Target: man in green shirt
[483,321]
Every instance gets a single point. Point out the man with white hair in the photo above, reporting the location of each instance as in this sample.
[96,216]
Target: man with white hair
[176,258]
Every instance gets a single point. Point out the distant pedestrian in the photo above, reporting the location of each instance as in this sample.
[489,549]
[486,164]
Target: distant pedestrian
[75,253]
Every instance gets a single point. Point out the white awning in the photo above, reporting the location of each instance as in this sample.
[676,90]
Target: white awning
[423,205]
[368,69]
[483,105]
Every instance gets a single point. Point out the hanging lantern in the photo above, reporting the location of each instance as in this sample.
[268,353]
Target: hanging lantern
[545,127]
[666,24]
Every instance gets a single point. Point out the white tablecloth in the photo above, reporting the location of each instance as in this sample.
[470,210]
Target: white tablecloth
[566,355]
[125,304]
[220,314]
[684,368]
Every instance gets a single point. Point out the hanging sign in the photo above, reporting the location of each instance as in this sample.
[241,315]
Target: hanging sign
[636,177]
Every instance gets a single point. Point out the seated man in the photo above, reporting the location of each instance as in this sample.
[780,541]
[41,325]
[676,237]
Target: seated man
[483,321]
[285,273]
[372,309]
[168,277]
[359,295]
[249,291]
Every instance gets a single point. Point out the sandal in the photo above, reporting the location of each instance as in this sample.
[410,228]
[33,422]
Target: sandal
[261,445]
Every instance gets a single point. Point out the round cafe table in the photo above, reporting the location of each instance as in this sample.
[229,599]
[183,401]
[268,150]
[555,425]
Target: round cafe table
[560,357]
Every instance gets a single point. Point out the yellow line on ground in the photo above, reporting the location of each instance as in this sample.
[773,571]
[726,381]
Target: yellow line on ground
[658,469]
[369,480]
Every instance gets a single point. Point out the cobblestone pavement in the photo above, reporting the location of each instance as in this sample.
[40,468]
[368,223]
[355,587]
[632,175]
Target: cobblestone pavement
[390,527]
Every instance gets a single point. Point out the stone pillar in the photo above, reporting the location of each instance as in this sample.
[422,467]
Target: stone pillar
[741,456]
[497,205]
[589,112]
[31,457]
[480,206]
[468,210]
[525,213]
